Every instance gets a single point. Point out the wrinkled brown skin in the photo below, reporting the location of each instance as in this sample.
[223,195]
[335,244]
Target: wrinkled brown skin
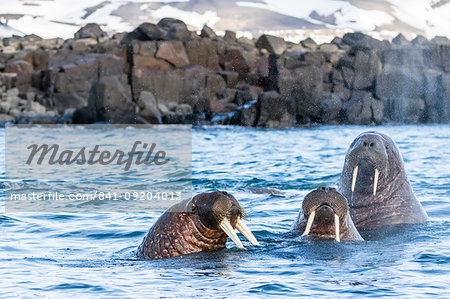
[181,229]
[394,202]
[323,225]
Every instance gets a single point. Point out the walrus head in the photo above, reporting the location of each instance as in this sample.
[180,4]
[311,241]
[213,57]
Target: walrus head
[371,161]
[219,210]
[326,211]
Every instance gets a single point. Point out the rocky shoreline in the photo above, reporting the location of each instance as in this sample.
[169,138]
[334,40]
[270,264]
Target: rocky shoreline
[164,73]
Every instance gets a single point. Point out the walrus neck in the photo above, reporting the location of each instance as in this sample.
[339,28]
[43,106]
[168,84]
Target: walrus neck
[209,235]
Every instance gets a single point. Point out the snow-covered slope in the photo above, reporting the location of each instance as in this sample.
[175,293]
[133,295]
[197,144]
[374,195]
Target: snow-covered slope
[294,19]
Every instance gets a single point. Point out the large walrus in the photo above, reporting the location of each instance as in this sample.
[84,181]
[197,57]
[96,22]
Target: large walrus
[202,223]
[325,214]
[376,185]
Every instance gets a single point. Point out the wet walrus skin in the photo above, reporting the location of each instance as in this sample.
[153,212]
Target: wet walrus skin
[321,210]
[375,183]
[202,223]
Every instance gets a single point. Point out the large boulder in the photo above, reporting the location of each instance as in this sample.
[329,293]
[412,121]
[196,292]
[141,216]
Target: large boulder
[152,31]
[275,111]
[149,108]
[361,41]
[174,53]
[203,52]
[110,98]
[170,85]
[144,56]
[305,86]
[236,61]
[273,44]
[90,30]
[399,82]
[69,78]
[362,109]
[367,66]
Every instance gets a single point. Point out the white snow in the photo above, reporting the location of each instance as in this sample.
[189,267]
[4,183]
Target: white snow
[192,18]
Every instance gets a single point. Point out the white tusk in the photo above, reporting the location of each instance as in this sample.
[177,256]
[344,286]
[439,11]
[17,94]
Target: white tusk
[355,174]
[225,225]
[309,223]
[243,229]
[336,225]
[375,181]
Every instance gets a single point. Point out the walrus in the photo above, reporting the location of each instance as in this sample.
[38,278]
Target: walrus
[375,183]
[325,214]
[202,223]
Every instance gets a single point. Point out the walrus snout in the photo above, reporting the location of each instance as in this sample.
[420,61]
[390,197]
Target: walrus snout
[323,208]
[220,210]
[366,162]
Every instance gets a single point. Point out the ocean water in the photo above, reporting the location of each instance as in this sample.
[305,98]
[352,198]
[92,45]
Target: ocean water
[51,254]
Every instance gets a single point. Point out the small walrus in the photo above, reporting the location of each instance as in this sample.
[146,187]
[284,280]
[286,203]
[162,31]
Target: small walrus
[325,214]
[375,183]
[202,223]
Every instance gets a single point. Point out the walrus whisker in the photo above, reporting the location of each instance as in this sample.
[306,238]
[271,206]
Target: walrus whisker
[309,223]
[355,174]
[336,225]
[243,229]
[375,181]
[225,225]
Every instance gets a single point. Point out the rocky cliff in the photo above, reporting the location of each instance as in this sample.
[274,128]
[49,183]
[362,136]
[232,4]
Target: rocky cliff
[164,73]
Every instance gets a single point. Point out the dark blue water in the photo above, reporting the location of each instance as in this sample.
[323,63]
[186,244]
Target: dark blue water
[92,254]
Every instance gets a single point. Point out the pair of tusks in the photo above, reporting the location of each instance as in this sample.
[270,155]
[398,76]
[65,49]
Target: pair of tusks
[375,180]
[311,220]
[225,225]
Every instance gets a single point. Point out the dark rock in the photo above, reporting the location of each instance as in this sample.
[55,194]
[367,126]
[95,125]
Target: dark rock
[242,97]
[203,52]
[231,78]
[405,110]
[445,83]
[143,56]
[84,115]
[396,82]
[136,34]
[179,32]
[166,23]
[420,40]
[273,44]
[111,100]
[23,71]
[207,32]
[305,86]
[349,76]
[152,31]
[229,36]
[440,40]
[329,112]
[400,40]
[275,111]
[171,85]
[309,43]
[362,109]
[235,61]
[433,95]
[437,56]
[173,52]
[363,42]
[367,67]
[313,58]
[149,108]
[214,83]
[405,56]
[90,30]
